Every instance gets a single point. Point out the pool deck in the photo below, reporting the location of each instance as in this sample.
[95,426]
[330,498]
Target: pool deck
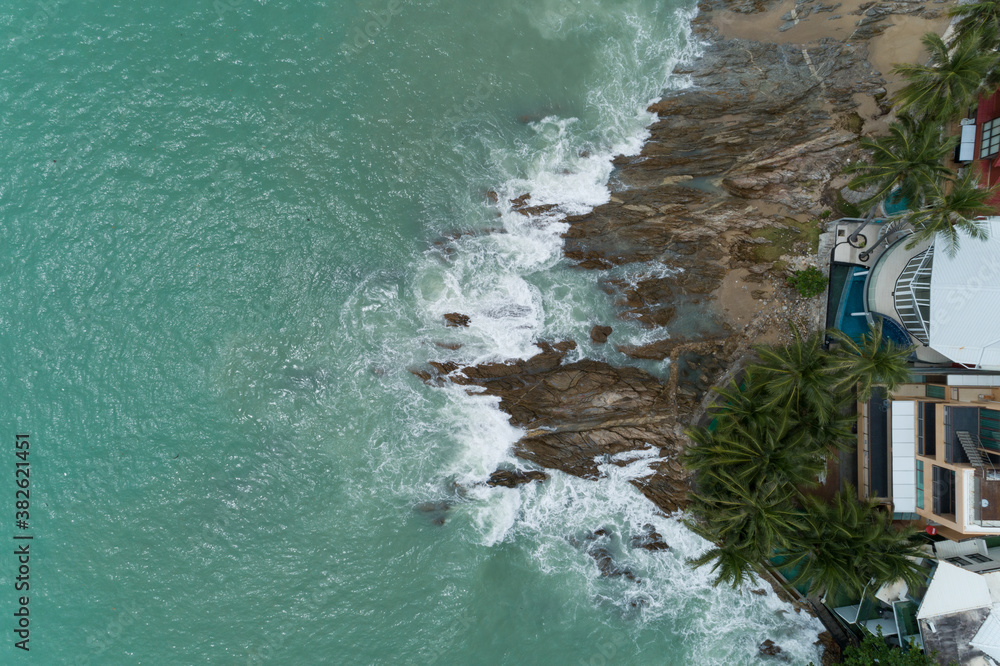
[881,293]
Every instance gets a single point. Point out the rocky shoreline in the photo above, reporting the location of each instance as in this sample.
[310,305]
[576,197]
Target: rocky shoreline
[730,191]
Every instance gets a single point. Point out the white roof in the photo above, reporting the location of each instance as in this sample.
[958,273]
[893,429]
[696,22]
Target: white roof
[993,581]
[988,637]
[974,380]
[965,300]
[904,451]
[954,590]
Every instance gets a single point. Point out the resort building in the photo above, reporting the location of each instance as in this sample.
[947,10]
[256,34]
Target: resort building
[932,451]
[955,614]
[946,305]
[980,141]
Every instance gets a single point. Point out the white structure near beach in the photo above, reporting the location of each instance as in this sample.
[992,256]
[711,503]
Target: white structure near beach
[948,305]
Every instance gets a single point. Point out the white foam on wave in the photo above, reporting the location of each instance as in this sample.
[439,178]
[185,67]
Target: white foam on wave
[485,277]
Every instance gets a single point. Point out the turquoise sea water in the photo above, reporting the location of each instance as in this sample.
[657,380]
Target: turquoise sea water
[227,231]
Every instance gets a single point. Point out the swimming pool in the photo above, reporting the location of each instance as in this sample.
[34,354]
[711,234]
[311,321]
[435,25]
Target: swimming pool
[895,203]
[851,318]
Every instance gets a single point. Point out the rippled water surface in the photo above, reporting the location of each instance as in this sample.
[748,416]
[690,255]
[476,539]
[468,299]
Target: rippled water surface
[228,230]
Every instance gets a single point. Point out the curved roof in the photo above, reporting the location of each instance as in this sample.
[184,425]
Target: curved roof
[965,300]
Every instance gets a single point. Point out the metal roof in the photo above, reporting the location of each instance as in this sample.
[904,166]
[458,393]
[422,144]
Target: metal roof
[965,300]
[904,451]
[954,590]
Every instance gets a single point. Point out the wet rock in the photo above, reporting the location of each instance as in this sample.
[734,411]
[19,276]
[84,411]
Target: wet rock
[513,478]
[769,145]
[769,649]
[453,346]
[831,649]
[650,539]
[599,334]
[520,205]
[607,565]
[759,593]
[456,319]
[576,414]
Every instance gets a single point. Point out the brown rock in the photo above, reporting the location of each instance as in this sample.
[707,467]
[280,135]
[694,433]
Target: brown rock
[607,565]
[580,411]
[514,478]
[456,319]
[599,334]
[650,539]
[831,650]
[520,204]
[769,648]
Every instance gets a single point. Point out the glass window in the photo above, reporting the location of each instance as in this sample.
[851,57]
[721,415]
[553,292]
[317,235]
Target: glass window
[981,559]
[958,561]
[990,144]
[943,491]
[920,484]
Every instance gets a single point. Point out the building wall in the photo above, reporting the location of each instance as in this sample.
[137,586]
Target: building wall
[988,109]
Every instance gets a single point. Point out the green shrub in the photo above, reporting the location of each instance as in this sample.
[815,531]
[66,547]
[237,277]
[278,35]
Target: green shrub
[873,650]
[809,282]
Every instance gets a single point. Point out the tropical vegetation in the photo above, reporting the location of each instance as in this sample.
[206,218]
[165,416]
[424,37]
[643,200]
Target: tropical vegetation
[953,209]
[808,282]
[951,80]
[909,161]
[772,436]
[874,650]
[979,19]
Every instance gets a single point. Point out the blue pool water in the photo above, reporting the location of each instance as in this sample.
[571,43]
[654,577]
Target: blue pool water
[895,204]
[853,300]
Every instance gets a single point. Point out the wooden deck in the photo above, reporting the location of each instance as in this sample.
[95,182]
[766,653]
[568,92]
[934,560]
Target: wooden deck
[989,491]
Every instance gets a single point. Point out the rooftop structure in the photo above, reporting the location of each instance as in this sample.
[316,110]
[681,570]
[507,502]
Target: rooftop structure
[947,306]
[932,450]
[956,613]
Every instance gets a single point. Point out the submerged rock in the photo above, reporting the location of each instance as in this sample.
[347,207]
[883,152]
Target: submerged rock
[649,540]
[435,511]
[607,565]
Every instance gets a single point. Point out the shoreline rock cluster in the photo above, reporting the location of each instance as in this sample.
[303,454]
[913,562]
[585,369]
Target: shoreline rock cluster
[756,142]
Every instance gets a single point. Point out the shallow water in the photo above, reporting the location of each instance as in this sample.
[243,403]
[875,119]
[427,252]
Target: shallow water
[228,231]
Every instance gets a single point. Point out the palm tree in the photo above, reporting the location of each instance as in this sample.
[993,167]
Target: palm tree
[950,82]
[748,456]
[741,403]
[760,519]
[747,526]
[734,565]
[824,436]
[797,375]
[848,544]
[911,157]
[870,362]
[980,20]
[951,210]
